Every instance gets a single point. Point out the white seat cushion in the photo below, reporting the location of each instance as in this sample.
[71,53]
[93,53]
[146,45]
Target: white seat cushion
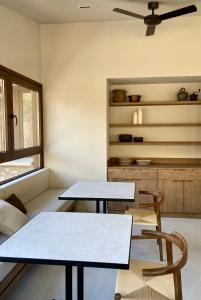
[11,218]
[132,285]
[48,201]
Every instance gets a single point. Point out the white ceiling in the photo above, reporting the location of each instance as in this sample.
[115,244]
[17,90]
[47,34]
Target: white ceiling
[61,11]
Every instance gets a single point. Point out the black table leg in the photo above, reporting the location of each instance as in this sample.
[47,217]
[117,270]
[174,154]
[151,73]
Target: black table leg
[69,282]
[97,206]
[104,206]
[80,283]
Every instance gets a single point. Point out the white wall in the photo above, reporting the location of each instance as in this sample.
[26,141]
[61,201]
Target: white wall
[76,61]
[20,44]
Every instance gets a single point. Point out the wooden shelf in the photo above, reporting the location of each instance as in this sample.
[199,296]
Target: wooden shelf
[156,143]
[156,125]
[155,103]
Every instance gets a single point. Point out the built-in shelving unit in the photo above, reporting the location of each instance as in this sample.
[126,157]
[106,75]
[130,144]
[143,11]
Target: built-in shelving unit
[155,103]
[166,121]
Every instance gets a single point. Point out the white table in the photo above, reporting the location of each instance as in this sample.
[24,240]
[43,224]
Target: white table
[100,191]
[72,239]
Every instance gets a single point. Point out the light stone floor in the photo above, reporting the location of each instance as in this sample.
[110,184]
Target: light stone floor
[47,282]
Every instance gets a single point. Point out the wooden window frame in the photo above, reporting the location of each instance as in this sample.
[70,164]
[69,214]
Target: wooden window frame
[11,77]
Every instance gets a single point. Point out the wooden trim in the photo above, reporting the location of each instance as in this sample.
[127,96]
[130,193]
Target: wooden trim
[26,152]
[11,280]
[16,74]
[155,103]
[4,76]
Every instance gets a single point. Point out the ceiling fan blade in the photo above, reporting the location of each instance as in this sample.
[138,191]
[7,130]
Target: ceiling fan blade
[178,12]
[150,30]
[128,13]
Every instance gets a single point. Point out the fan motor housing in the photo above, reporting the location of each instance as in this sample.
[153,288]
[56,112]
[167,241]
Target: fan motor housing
[153,5]
[152,20]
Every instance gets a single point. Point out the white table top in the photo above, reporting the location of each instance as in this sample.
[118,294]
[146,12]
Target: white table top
[97,190]
[85,239]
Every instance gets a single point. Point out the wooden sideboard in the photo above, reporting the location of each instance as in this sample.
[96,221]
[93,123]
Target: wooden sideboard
[181,186]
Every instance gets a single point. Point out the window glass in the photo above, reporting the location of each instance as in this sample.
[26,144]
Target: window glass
[17,167]
[2,117]
[25,117]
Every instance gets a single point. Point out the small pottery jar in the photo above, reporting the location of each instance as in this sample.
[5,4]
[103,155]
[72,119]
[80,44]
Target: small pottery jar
[194,96]
[134,98]
[182,95]
[119,96]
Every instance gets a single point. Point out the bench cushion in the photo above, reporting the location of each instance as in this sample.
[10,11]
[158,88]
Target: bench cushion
[27,187]
[48,201]
[5,268]
[11,218]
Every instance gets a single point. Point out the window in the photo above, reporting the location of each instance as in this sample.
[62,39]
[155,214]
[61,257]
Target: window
[21,138]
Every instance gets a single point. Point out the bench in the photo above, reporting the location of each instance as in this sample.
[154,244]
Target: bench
[35,192]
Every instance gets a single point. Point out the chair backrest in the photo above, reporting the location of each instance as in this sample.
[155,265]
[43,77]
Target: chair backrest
[158,198]
[171,267]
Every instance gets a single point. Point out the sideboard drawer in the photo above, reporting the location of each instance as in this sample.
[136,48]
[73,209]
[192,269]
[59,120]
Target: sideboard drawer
[179,174]
[131,174]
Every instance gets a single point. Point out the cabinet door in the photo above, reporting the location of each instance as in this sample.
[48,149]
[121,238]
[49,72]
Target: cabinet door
[148,185]
[174,196]
[192,196]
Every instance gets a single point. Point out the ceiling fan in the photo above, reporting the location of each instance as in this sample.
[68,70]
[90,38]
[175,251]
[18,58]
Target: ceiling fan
[153,19]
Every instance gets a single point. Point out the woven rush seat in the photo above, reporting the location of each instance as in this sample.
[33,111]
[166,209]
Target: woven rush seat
[132,285]
[143,216]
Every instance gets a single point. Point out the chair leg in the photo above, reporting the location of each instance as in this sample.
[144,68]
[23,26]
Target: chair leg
[160,245]
[117,296]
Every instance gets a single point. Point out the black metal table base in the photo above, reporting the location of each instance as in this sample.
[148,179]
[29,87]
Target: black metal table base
[80,283]
[97,206]
[69,283]
[104,206]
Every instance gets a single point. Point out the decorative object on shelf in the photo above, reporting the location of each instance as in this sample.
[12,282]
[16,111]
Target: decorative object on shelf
[134,98]
[182,95]
[140,115]
[125,138]
[125,161]
[119,95]
[194,96]
[143,162]
[135,117]
[138,139]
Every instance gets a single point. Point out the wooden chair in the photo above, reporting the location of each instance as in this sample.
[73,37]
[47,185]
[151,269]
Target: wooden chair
[154,281]
[149,217]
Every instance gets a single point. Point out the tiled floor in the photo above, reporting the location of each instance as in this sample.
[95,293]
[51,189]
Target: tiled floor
[47,282]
